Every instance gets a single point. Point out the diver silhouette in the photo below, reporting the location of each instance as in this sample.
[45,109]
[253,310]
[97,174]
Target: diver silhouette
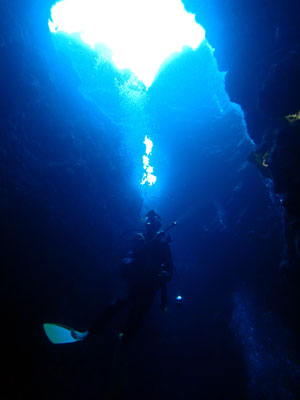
[147,268]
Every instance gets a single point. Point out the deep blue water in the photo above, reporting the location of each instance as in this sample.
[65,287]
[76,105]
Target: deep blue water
[71,156]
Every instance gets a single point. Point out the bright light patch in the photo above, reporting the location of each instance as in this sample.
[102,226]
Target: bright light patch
[145,161]
[149,145]
[148,176]
[140,33]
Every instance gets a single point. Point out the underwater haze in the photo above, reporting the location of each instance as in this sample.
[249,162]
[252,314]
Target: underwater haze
[73,129]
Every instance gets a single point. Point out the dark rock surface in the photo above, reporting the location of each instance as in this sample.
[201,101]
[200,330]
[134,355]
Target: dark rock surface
[60,193]
[258,44]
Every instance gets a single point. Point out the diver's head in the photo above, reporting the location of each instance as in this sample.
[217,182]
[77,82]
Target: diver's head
[152,223]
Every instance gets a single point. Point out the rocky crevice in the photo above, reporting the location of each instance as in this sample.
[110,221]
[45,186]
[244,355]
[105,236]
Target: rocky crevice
[258,44]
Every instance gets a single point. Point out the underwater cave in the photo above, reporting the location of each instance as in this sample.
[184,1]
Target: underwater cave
[110,109]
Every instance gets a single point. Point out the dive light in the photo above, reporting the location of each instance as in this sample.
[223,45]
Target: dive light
[179,301]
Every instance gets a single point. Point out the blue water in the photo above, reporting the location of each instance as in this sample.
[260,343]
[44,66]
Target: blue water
[71,152]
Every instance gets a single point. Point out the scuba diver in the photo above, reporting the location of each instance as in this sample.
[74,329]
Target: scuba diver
[147,268]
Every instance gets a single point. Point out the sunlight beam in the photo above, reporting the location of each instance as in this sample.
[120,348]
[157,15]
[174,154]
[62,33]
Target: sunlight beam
[148,176]
[141,34]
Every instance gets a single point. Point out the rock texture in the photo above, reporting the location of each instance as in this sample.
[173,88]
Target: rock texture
[52,153]
[63,200]
[258,44]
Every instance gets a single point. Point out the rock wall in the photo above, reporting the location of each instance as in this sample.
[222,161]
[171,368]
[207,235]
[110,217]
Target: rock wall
[55,154]
[258,44]
[64,195]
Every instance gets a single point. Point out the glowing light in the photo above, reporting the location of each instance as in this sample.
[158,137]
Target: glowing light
[148,176]
[293,117]
[140,33]
[145,160]
[149,145]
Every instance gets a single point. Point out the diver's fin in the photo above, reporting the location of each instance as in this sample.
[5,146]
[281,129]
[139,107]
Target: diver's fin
[63,334]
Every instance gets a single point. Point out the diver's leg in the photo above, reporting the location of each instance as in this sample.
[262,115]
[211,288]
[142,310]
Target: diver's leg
[108,314]
[139,308]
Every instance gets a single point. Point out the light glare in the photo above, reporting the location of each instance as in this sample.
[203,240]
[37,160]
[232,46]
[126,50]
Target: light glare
[148,176]
[149,145]
[140,33]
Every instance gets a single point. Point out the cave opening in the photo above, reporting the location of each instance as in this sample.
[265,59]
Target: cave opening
[140,35]
[137,39]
